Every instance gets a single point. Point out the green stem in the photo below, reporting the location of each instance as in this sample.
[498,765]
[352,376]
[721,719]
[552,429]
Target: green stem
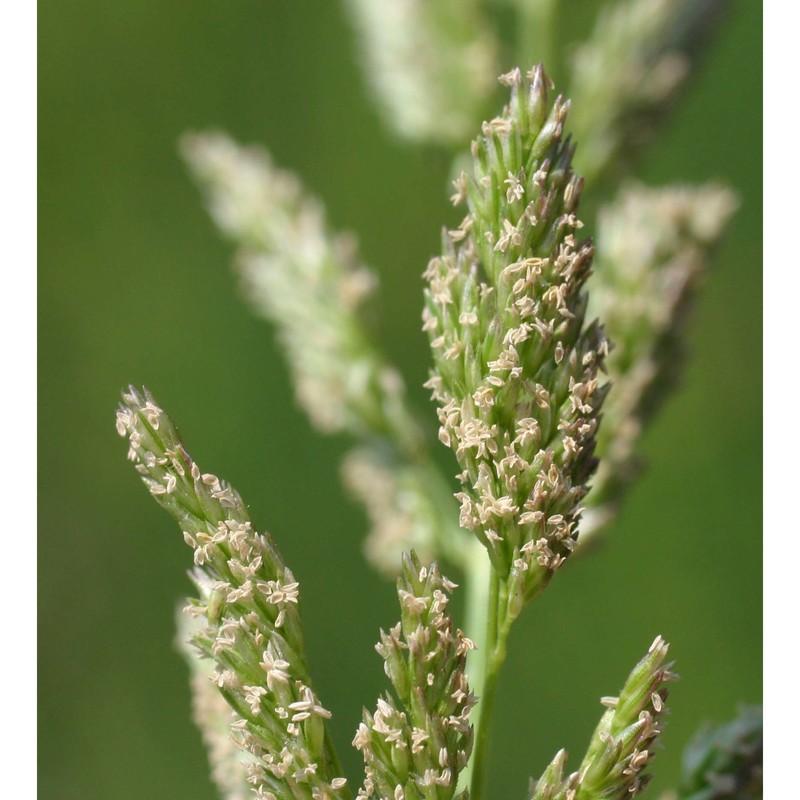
[479,575]
[537,38]
[486,617]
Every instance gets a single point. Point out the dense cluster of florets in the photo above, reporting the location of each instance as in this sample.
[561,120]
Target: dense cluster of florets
[248,624]
[430,64]
[623,742]
[417,742]
[653,247]
[516,368]
[517,376]
[305,279]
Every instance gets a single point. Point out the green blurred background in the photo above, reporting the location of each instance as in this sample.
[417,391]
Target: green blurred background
[135,287]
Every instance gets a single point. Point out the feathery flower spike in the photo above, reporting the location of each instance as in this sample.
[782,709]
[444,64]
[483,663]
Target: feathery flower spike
[417,742]
[247,612]
[515,365]
[622,744]
[628,71]
[310,284]
[429,63]
[653,246]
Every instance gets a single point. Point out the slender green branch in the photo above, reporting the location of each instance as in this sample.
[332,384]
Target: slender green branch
[498,625]
[486,617]
[479,576]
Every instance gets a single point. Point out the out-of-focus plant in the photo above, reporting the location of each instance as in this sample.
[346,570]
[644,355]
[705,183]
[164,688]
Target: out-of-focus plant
[548,360]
